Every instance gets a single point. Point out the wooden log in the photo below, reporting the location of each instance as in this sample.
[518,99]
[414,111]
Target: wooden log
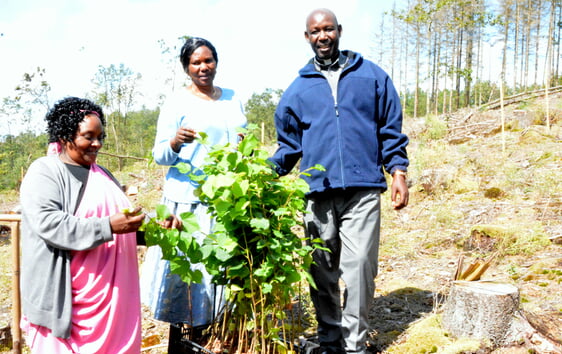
[16,297]
[548,324]
[481,310]
[14,220]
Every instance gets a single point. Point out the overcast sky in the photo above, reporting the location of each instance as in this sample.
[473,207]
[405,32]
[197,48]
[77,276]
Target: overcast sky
[260,43]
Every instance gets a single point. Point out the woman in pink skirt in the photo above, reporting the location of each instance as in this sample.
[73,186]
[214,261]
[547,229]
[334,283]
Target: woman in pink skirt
[79,275]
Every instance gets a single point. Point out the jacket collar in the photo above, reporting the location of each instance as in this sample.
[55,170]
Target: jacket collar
[311,69]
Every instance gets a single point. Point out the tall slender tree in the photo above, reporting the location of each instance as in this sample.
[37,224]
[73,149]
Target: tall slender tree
[116,89]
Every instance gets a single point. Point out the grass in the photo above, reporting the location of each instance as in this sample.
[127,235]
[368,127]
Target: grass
[428,336]
[6,275]
[7,199]
[515,193]
[148,178]
[515,238]
[454,189]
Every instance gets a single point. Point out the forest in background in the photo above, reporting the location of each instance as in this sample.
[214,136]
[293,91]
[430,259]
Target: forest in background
[436,51]
[439,53]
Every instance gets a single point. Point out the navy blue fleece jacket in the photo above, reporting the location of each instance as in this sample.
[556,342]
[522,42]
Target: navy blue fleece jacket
[354,135]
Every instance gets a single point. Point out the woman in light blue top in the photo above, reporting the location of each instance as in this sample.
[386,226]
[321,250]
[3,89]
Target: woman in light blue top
[199,107]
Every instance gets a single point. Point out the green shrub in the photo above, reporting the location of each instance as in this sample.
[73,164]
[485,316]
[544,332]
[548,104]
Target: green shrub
[257,249]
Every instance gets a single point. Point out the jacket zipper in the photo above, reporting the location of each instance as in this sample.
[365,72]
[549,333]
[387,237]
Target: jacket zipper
[340,148]
[338,126]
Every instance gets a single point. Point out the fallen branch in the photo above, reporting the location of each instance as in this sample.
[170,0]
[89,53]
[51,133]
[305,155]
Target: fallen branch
[518,98]
[154,347]
[123,157]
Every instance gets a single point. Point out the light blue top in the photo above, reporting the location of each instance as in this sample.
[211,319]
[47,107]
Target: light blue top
[218,119]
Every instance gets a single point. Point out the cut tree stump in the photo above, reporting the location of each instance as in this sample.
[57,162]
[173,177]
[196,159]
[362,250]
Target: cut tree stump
[5,336]
[481,310]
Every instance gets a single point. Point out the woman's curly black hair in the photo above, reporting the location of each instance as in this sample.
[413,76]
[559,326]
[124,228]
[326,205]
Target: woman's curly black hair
[65,116]
[190,45]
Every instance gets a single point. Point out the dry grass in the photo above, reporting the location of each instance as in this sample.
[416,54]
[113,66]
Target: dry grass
[455,189]
[513,193]
[427,336]
[5,279]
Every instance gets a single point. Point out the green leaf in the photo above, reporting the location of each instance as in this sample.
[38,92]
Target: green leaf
[254,249]
[197,276]
[222,255]
[129,211]
[226,242]
[189,222]
[260,223]
[189,246]
[248,145]
[235,288]
[242,204]
[207,250]
[168,251]
[162,212]
[266,288]
[293,277]
[184,168]
[264,271]
[222,206]
[238,270]
[232,159]
[239,189]
[203,138]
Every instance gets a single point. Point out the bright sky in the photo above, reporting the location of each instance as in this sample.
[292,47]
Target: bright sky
[260,43]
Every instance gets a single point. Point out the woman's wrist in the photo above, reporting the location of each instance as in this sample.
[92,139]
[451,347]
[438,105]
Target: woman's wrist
[174,145]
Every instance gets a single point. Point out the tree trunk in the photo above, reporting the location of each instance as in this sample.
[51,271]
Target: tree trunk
[527,44]
[558,7]
[537,39]
[516,30]
[480,310]
[507,14]
[417,88]
[458,67]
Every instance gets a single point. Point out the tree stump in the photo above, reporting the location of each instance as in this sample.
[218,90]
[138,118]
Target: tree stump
[480,310]
[5,336]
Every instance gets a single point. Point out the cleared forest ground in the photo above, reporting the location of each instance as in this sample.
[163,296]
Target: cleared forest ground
[468,179]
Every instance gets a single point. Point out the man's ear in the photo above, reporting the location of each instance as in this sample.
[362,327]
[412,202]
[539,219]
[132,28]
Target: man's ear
[306,36]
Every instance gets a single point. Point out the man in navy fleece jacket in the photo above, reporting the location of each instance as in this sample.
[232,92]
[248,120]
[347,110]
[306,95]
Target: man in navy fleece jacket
[343,113]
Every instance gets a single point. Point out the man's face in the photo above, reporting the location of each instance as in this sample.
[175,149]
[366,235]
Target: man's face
[323,33]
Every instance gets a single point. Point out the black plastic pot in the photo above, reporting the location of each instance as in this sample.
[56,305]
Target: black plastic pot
[183,339]
[189,347]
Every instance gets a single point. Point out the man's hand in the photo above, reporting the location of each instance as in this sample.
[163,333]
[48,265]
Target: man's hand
[399,189]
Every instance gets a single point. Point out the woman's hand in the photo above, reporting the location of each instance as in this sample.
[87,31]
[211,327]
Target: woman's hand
[172,222]
[183,135]
[125,222]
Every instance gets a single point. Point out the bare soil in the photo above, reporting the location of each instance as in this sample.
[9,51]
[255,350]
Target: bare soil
[420,245]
